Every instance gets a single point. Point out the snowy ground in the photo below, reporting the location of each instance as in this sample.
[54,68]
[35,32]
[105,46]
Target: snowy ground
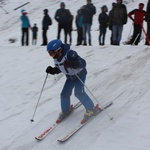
[119,74]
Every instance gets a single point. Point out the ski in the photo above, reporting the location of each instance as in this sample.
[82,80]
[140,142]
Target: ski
[53,126]
[75,130]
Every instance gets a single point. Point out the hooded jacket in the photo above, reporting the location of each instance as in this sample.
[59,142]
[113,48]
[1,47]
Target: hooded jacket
[25,20]
[119,15]
[63,16]
[46,20]
[88,11]
[71,55]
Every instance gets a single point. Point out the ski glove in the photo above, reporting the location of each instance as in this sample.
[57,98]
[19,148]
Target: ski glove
[52,70]
[71,64]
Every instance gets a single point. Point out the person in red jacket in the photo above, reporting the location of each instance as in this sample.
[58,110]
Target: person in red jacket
[139,17]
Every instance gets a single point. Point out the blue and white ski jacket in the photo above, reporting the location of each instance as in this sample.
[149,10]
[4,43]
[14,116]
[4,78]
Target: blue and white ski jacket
[71,55]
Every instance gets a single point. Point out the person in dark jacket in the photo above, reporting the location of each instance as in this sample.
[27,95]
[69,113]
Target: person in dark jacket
[147,18]
[25,28]
[79,25]
[34,34]
[63,17]
[139,17]
[73,66]
[47,21]
[103,24]
[118,19]
[70,28]
[88,11]
[110,23]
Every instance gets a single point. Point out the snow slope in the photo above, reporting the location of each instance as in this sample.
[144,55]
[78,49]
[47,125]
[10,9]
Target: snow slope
[119,74]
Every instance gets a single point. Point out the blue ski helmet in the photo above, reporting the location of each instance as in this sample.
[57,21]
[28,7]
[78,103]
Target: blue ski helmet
[54,45]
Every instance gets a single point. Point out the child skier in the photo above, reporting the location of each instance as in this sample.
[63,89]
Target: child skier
[73,66]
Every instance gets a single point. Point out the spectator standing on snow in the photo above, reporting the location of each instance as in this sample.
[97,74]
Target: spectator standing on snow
[88,11]
[147,18]
[118,19]
[103,24]
[46,22]
[110,23]
[63,17]
[79,25]
[25,28]
[139,17]
[34,34]
[73,66]
[70,28]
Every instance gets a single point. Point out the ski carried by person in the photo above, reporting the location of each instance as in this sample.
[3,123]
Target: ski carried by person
[53,126]
[84,121]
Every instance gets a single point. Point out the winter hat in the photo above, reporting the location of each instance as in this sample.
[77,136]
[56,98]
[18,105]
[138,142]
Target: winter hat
[46,11]
[89,1]
[103,7]
[113,4]
[62,4]
[120,1]
[22,11]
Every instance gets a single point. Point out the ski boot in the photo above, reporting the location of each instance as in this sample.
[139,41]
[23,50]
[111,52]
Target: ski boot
[90,113]
[63,115]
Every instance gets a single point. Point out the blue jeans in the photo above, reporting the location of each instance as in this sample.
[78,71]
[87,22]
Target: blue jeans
[86,29]
[116,34]
[78,92]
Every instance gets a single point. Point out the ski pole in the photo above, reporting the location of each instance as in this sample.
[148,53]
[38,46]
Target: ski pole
[111,118]
[32,120]
[136,38]
[130,31]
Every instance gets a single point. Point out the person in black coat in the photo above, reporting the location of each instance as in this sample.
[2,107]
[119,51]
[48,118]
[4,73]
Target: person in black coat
[147,18]
[103,22]
[64,18]
[45,26]
[118,19]
[110,23]
[88,11]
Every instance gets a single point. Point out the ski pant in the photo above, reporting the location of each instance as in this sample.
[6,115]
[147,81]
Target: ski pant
[136,34]
[69,33]
[34,39]
[25,36]
[65,28]
[44,35]
[102,35]
[117,34]
[86,29]
[79,92]
[79,36]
